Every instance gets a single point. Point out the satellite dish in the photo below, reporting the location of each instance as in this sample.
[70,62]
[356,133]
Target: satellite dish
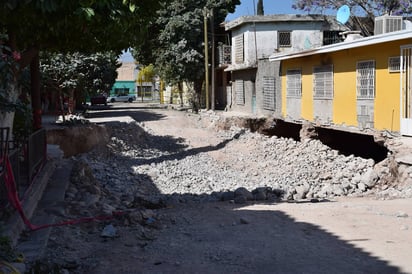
[343,14]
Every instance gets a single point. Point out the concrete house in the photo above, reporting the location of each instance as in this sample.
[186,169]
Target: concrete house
[126,79]
[361,83]
[255,82]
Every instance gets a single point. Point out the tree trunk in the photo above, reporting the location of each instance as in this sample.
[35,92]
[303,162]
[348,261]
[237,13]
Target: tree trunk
[35,91]
[180,89]
[7,117]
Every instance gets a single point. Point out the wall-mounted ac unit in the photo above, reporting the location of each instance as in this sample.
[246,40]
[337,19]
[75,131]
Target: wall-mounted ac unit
[387,23]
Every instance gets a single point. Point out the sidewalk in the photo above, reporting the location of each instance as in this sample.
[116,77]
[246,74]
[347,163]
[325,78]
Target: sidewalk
[52,173]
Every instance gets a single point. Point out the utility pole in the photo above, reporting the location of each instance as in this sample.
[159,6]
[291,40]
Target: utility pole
[212,28]
[205,14]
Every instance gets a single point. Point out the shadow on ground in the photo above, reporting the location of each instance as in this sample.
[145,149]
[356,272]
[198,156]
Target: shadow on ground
[215,236]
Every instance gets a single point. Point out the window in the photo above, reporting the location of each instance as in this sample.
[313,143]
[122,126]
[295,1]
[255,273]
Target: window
[239,49]
[269,100]
[294,83]
[224,54]
[284,39]
[240,92]
[331,37]
[394,64]
[365,79]
[323,82]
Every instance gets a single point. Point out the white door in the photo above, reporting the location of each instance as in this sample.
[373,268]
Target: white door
[406,90]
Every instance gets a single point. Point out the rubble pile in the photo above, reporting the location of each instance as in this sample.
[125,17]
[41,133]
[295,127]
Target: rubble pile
[138,164]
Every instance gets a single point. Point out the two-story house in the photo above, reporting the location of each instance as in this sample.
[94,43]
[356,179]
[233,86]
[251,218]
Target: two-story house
[255,82]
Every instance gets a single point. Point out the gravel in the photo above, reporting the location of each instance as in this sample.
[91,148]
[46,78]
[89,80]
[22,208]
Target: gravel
[137,163]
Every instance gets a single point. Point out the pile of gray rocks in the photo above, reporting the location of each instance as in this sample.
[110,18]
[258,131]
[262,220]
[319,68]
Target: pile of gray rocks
[137,166]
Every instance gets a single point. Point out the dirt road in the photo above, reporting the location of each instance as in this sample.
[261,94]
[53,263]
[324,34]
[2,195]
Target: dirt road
[347,235]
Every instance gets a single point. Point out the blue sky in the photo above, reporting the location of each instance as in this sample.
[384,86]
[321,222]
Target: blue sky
[270,7]
[247,7]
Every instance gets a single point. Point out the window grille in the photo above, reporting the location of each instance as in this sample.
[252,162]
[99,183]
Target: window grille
[394,64]
[239,49]
[331,37]
[240,92]
[323,82]
[284,39]
[269,99]
[224,54]
[365,79]
[294,83]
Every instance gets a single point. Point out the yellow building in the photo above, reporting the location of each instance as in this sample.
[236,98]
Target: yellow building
[358,83]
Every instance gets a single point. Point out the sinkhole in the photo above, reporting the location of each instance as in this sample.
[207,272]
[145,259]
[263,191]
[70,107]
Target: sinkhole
[347,143]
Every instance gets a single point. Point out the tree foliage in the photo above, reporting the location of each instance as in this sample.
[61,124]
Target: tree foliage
[176,41]
[87,73]
[76,25]
[146,74]
[70,26]
[368,8]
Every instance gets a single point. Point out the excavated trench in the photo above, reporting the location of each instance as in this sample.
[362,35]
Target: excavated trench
[76,140]
[347,143]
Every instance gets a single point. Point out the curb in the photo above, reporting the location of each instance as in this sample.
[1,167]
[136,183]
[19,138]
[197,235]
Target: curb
[15,225]
[47,209]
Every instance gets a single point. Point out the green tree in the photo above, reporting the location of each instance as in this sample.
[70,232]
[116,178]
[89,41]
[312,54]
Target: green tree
[77,75]
[67,26]
[146,74]
[176,40]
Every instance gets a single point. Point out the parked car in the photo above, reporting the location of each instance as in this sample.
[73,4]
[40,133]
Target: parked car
[99,99]
[121,98]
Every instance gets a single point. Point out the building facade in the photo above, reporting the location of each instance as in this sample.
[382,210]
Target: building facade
[361,83]
[255,82]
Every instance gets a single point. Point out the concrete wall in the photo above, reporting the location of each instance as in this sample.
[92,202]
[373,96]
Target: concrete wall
[264,37]
[293,109]
[126,72]
[323,111]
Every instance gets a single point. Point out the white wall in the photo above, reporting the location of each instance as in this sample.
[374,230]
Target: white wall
[265,37]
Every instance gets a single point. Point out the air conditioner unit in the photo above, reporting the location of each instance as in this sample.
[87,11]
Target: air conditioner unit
[387,23]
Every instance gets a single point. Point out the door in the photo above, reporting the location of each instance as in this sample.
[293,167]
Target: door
[254,97]
[406,90]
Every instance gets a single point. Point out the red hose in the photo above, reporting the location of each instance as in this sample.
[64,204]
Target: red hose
[15,202]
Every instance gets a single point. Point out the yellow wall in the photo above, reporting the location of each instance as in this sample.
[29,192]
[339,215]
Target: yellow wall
[387,85]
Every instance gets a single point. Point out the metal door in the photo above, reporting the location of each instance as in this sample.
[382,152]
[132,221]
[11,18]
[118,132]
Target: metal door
[406,90]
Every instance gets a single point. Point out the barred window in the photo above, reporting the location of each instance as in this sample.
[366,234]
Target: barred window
[365,79]
[269,99]
[394,64]
[323,82]
[294,83]
[284,39]
[240,92]
[239,49]
[331,37]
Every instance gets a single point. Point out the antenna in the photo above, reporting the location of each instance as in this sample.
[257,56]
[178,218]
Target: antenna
[343,14]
